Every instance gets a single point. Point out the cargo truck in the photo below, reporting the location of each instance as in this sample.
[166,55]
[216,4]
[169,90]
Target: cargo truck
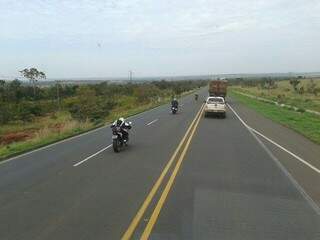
[218,88]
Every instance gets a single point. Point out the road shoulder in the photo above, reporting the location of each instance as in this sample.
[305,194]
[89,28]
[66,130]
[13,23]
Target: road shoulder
[290,140]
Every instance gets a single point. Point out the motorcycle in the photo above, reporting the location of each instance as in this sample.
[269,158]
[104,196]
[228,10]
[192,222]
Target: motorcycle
[174,110]
[196,96]
[118,138]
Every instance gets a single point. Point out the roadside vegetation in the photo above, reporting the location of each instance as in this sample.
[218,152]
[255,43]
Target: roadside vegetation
[291,99]
[297,92]
[31,116]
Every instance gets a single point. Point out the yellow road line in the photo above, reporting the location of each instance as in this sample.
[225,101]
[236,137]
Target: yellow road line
[134,223]
[156,212]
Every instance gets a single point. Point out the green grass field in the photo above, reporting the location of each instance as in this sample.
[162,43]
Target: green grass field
[287,94]
[304,123]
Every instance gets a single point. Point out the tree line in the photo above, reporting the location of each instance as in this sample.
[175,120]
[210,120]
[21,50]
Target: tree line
[25,102]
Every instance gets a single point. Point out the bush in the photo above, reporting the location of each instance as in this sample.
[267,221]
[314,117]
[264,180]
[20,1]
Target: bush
[6,113]
[145,92]
[294,83]
[311,87]
[281,98]
[88,106]
[301,90]
[289,108]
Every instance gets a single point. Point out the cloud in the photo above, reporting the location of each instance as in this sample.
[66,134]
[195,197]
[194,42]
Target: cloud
[161,29]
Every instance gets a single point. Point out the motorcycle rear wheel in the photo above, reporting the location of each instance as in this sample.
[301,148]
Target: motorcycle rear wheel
[116,145]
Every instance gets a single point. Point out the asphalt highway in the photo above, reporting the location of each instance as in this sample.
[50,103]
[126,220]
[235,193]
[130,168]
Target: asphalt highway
[182,176]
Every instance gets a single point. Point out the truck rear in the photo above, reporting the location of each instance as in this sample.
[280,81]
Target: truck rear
[218,88]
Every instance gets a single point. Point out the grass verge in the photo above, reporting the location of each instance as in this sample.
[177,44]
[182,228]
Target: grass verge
[284,93]
[304,123]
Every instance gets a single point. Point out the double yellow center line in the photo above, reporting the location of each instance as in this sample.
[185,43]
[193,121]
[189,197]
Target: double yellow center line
[182,149]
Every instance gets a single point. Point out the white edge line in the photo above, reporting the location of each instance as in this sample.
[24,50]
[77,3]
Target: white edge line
[314,206]
[91,156]
[152,122]
[276,144]
[287,151]
[286,172]
[53,144]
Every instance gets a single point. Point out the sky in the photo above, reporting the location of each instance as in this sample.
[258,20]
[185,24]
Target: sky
[107,38]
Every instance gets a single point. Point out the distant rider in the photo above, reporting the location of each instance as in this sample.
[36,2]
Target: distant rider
[174,103]
[124,127]
[196,96]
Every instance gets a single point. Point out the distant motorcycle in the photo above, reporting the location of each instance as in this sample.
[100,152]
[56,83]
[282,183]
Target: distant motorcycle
[174,110]
[196,96]
[118,138]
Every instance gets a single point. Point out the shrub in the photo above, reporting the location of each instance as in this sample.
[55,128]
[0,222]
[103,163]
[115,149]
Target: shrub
[301,90]
[311,87]
[294,83]
[88,106]
[281,98]
[301,110]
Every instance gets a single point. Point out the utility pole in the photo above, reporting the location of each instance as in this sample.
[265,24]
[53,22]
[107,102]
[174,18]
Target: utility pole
[130,75]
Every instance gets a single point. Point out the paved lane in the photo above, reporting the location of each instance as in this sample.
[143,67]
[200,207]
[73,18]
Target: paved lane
[43,196]
[230,188]
[292,141]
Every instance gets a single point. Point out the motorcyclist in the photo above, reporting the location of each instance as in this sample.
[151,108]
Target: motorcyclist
[196,96]
[174,103]
[124,127]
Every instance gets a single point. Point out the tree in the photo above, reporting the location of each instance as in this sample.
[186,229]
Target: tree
[14,90]
[88,106]
[33,75]
[294,83]
[2,90]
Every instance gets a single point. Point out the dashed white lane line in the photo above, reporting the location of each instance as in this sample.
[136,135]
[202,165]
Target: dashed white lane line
[276,144]
[103,149]
[152,122]
[91,156]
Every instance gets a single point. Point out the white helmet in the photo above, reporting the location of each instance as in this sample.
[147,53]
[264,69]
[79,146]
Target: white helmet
[120,121]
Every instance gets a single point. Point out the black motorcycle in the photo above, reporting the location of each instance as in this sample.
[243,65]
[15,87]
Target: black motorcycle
[119,139]
[174,110]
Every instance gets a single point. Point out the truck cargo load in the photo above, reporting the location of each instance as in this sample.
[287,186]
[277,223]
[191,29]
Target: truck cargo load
[218,88]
